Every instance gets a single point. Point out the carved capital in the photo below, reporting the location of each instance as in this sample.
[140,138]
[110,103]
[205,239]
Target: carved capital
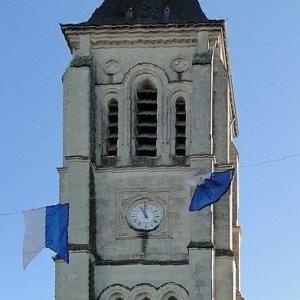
[81,61]
[203,58]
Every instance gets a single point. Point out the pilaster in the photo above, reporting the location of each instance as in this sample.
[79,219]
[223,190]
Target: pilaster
[73,279]
[201,272]
[223,229]
[77,96]
[225,285]
[201,112]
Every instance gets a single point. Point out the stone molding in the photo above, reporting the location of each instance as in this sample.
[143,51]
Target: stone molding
[126,169]
[140,291]
[76,157]
[223,167]
[80,248]
[204,58]
[200,245]
[81,61]
[224,252]
[143,37]
[126,198]
[144,43]
[142,262]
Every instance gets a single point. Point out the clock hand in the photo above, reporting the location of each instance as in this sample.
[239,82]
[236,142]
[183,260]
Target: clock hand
[145,209]
[144,213]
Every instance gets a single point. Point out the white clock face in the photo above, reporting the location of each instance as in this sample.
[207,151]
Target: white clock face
[145,216]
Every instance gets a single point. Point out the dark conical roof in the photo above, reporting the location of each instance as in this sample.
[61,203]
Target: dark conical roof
[117,12]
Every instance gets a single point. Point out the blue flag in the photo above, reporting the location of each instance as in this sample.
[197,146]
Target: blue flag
[210,188]
[46,227]
[56,236]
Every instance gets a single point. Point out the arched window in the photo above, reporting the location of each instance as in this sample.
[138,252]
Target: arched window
[112,134]
[180,127]
[172,298]
[146,120]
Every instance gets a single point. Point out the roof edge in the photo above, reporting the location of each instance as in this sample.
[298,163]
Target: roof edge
[84,25]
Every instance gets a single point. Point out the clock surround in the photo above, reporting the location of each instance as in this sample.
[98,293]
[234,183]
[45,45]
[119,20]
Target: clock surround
[160,197]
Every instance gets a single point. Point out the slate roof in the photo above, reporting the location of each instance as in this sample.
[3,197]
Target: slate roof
[119,12]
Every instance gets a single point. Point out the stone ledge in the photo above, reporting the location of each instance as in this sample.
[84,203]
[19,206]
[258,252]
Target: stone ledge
[76,157]
[224,252]
[203,58]
[81,61]
[200,245]
[140,262]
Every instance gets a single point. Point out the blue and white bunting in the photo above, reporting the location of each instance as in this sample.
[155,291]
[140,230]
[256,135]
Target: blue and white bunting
[46,227]
[209,188]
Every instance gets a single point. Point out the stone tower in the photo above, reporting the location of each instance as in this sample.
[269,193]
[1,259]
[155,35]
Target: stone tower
[148,103]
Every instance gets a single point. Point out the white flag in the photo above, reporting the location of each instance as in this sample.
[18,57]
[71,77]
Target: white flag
[34,238]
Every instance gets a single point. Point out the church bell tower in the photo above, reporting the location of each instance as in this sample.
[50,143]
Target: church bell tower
[148,104]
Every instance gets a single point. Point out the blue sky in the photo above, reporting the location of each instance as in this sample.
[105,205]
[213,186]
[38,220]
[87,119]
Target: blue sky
[264,43]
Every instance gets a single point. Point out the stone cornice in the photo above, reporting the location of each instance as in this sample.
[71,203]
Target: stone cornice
[138,36]
[147,27]
[145,43]
[223,167]
[141,262]
[126,169]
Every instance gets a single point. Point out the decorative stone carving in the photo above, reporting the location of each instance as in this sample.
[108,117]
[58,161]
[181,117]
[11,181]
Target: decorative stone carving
[203,58]
[146,43]
[81,61]
[141,291]
[180,65]
[112,67]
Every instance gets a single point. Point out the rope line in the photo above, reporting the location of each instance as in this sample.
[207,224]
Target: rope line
[272,161]
[11,213]
[266,162]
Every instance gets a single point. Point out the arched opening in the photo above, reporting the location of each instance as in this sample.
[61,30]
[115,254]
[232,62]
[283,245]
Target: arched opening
[180,127]
[172,298]
[146,120]
[112,134]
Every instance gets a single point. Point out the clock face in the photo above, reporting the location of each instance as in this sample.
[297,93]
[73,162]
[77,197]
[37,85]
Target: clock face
[144,216]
